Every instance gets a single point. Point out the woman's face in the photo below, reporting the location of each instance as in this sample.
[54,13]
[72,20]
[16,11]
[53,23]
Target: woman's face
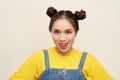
[63,34]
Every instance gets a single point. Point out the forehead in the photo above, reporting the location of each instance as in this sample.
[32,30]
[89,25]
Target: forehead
[62,24]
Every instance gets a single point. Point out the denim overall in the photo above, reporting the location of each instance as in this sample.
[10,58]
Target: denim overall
[62,74]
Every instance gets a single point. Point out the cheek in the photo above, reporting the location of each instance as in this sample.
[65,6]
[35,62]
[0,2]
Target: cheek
[54,37]
[71,38]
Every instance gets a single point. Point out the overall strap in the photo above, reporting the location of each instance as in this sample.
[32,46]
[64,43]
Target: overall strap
[82,60]
[46,57]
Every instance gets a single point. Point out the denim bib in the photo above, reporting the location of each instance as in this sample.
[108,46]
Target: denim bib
[63,74]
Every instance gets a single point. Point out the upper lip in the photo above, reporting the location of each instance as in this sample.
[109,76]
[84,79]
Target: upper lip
[63,43]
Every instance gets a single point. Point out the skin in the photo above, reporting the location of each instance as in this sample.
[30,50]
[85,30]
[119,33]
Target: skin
[63,34]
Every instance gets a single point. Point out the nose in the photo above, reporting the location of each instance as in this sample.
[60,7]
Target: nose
[62,37]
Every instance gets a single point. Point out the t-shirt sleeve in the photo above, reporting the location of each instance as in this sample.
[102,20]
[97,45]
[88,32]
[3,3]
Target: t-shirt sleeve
[94,70]
[27,71]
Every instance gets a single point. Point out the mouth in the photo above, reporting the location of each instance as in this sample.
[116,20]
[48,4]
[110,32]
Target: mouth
[63,45]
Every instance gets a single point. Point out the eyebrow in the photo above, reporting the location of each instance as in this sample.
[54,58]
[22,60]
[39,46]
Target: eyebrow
[66,29]
[55,29]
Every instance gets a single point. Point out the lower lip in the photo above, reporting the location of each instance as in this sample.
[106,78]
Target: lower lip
[63,46]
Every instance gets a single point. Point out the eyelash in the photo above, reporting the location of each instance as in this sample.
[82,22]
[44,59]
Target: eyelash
[67,32]
[56,32]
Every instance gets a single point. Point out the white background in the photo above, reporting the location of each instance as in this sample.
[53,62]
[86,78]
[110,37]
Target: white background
[24,29]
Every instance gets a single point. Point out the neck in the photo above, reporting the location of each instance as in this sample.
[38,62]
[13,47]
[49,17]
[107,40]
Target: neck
[63,53]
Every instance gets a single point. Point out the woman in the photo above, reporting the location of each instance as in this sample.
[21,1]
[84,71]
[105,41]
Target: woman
[62,62]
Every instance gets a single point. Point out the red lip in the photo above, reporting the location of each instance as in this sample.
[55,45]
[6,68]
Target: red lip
[63,45]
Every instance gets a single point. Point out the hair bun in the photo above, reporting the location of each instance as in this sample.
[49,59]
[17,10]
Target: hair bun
[80,15]
[51,11]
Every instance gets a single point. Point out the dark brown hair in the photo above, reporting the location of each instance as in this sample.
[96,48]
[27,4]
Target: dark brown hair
[71,17]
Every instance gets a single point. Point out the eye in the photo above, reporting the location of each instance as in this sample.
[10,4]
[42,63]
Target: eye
[56,32]
[68,32]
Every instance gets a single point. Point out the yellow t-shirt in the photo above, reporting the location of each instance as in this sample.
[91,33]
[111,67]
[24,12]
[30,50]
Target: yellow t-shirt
[35,65]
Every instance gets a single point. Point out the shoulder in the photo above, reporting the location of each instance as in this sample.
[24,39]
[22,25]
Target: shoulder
[91,59]
[89,56]
[37,55]
[40,53]
[80,52]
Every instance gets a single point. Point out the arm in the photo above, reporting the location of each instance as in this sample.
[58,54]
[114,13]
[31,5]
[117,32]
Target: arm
[27,71]
[94,70]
